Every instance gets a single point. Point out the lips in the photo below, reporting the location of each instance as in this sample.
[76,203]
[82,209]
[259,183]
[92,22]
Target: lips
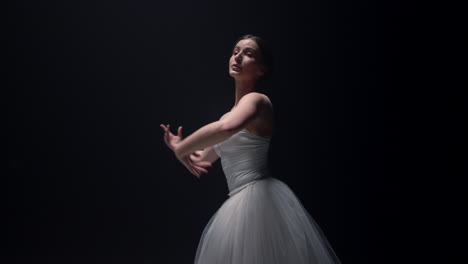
[235,67]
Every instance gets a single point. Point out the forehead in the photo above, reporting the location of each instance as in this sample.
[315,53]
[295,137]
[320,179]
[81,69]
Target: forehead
[247,43]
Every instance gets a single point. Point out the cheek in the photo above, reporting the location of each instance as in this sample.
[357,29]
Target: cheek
[251,64]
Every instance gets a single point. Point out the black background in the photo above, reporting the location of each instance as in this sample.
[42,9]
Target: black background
[369,117]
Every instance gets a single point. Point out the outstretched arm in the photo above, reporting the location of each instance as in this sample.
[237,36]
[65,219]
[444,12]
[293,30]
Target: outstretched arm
[246,110]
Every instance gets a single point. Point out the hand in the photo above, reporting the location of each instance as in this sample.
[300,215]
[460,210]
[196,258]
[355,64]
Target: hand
[195,167]
[170,139]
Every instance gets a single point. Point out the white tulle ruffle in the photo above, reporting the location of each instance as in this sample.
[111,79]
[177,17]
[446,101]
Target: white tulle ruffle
[263,222]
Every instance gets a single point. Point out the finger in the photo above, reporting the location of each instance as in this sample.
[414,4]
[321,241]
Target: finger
[200,164]
[192,169]
[165,128]
[179,132]
[197,153]
[166,136]
[194,158]
[169,134]
[195,172]
[201,169]
[203,163]
[165,131]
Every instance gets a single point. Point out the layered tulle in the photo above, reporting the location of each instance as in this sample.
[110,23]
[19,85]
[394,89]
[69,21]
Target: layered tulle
[263,223]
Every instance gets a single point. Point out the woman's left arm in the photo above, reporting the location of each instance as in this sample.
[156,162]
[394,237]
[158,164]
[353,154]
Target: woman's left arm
[245,111]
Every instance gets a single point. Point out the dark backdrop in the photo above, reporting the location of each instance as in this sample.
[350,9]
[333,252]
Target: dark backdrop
[368,120]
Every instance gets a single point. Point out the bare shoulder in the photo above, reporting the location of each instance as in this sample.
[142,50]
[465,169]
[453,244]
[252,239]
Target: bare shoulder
[257,98]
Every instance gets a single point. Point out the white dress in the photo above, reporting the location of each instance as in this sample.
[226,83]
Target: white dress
[262,222]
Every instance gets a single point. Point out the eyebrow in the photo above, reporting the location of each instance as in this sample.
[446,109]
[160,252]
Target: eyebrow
[246,48]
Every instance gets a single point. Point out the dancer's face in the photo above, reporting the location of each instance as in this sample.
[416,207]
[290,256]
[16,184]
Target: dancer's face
[245,62]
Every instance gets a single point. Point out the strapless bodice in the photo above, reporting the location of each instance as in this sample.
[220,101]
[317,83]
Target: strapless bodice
[244,158]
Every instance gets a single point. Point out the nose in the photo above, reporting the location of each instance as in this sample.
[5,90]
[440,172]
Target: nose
[238,57]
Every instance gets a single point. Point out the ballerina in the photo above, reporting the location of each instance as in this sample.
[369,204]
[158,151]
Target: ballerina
[262,221]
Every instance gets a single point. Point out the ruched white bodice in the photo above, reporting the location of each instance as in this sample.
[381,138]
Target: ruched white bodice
[244,158]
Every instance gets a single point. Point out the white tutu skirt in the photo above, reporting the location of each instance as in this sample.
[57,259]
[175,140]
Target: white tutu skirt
[263,223]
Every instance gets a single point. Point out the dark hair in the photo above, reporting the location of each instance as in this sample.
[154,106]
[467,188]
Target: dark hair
[266,55]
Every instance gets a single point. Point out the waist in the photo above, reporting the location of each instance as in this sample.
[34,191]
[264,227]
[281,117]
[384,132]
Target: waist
[245,185]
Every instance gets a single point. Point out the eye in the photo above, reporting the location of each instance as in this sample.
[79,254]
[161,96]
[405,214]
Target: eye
[250,54]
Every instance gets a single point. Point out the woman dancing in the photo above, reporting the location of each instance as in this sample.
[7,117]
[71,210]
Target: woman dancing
[262,221]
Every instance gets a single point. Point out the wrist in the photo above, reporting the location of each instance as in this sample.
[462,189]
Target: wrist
[177,150]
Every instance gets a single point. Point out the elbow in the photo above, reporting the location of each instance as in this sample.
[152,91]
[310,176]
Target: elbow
[229,129]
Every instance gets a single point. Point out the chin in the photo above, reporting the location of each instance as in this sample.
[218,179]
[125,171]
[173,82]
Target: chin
[234,74]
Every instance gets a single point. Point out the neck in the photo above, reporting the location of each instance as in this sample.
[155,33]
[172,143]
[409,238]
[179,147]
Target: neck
[244,87]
